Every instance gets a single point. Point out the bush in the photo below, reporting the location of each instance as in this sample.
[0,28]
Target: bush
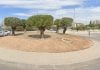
[19,28]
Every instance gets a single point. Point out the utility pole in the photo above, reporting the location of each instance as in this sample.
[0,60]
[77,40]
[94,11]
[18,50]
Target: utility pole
[74,16]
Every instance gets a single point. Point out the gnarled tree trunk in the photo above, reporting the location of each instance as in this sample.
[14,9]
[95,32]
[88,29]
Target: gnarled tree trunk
[64,30]
[13,30]
[57,31]
[25,30]
[42,30]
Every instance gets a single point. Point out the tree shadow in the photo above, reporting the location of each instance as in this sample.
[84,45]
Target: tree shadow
[38,36]
[62,34]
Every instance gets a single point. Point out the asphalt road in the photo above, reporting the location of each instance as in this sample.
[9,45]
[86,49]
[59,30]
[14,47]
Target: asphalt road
[89,65]
[95,36]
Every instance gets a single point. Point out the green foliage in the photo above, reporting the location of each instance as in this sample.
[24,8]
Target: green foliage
[0,28]
[19,28]
[23,23]
[66,21]
[91,24]
[29,28]
[41,20]
[97,26]
[7,28]
[81,27]
[57,22]
[12,21]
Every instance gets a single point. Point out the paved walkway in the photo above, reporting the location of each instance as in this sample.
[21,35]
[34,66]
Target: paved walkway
[51,58]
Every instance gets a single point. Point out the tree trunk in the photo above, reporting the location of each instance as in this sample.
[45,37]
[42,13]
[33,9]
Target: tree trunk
[13,31]
[64,30]
[77,29]
[24,30]
[42,29]
[41,34]
[57,31]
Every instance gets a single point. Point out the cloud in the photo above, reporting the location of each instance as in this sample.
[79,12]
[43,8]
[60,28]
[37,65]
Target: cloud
[40,4]
[21,14]
[54,7]
[96,10]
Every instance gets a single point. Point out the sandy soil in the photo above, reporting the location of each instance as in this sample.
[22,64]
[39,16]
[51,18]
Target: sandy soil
[52,43]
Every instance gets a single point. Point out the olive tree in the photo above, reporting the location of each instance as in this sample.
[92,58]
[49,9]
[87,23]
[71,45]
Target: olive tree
[23,24]
[13,22]
[57,22]
[41,22]
[65,23]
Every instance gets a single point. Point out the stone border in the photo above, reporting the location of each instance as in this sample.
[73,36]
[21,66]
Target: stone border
[64,40]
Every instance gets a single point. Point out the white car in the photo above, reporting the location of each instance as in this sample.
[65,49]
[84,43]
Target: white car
[5,33]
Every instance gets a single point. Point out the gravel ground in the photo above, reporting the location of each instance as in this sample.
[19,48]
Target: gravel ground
[52,43]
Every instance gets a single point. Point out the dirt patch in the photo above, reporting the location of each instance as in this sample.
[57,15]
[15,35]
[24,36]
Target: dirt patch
[55,44]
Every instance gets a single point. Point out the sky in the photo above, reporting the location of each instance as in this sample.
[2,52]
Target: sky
[82,11]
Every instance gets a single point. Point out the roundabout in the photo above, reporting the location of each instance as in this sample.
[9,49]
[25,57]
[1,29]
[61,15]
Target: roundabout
[49,61]
[57,43]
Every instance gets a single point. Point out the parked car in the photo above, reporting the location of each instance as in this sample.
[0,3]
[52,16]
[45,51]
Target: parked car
[5,32]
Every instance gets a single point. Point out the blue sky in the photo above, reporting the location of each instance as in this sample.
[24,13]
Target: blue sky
[85,10]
